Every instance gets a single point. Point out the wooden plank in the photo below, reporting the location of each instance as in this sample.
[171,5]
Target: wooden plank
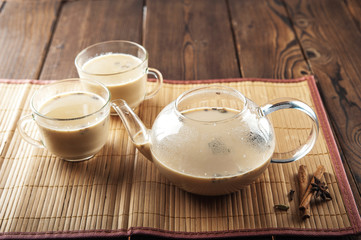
[331,41]
[190,39]
[83,23]
[25,32]
[354,6]
[266,44]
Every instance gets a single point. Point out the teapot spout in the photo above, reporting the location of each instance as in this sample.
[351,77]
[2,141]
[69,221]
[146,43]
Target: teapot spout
[138,133]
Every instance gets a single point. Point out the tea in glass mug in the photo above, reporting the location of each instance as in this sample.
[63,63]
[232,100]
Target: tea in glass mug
[122,66]
[72,117]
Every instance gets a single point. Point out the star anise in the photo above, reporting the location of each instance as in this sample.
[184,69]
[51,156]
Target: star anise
[320,190]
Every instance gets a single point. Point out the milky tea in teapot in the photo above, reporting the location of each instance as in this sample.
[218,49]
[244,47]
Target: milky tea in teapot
[213,150]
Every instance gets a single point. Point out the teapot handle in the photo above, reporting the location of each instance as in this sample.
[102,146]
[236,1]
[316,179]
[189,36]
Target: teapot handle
[301,151]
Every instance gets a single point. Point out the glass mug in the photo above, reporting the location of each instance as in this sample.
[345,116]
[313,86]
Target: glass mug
[72,117]
[122,66]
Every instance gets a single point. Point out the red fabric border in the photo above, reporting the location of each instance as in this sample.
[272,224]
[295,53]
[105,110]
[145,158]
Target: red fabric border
[335,157]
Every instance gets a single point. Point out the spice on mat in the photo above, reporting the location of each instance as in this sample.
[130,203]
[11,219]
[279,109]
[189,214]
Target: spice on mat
[281,207]
[320,190]
[305,202]
[303,182]
[290,194]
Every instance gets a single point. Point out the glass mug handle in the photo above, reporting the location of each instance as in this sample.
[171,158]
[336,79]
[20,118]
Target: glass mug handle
[301,151]
[159,78]
[21,127]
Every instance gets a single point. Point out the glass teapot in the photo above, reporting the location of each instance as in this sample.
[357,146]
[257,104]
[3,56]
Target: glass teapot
[213,140]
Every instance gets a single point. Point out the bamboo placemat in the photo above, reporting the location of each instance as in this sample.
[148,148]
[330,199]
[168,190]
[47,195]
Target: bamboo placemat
[120,193]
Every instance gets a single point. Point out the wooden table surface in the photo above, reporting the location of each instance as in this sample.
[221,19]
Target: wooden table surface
[204,39]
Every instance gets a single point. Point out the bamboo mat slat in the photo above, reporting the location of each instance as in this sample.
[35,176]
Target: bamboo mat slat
[120,193]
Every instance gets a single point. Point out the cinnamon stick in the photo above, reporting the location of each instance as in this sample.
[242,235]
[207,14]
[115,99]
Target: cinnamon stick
[303,184]
[308,194]
[302,180]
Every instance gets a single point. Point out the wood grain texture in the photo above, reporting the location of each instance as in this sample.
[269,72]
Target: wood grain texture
[331,41]
[266,44]
[190,39]
[354,6]
[26,28]
[83,23]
